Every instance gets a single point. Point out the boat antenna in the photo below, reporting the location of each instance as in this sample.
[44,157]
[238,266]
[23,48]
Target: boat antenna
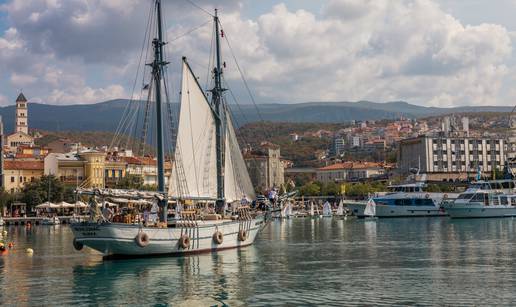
[157,73]
[217,102]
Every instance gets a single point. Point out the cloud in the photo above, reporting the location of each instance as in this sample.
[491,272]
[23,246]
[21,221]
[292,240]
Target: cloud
[86,50]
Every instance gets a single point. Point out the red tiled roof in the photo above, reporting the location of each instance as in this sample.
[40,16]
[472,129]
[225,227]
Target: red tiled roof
[351,165]
[23,165]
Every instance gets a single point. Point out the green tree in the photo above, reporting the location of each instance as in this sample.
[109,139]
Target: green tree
[310,189]
[330,188]
[43,189]
[131,181]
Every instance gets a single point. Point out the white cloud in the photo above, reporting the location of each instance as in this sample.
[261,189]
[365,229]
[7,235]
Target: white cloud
[86,50]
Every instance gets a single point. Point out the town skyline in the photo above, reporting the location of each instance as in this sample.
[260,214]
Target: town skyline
[294,51]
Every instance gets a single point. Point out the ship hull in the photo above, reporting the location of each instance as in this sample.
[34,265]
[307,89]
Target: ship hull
[396,211]
[479,211]
[119,240]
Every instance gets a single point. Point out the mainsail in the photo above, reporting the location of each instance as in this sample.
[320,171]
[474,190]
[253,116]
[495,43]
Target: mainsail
[196,149]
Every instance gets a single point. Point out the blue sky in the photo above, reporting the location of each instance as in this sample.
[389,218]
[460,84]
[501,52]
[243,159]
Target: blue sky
[427,52]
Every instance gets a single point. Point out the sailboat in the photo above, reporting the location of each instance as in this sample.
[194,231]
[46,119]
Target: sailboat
[327,210]
[312,213]
[208,170]
[370,210]
[340,209]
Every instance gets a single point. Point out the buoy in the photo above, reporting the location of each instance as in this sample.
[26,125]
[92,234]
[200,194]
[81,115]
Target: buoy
[142,239]
[184,241]
[4,233]
[10,245]
[218,237]
[29,251]
[242,235]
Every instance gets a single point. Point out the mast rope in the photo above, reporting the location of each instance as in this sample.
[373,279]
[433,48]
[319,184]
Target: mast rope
[199,7]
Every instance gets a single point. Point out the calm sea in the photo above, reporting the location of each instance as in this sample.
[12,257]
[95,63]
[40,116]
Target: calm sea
[423,261]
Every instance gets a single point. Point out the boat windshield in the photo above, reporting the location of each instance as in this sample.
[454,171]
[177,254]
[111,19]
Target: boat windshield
[465,196]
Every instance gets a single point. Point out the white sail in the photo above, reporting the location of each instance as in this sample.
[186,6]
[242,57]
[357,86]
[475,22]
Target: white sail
[340,209]
[312,209]
[237,183]
[327,209]
[195,146]
[196,150]
[370,209]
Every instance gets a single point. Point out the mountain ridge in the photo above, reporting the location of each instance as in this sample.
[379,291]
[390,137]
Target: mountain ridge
[105,116]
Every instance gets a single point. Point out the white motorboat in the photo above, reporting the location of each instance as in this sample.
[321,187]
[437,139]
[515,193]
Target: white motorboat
[404,200]
[493,198]
[208,169]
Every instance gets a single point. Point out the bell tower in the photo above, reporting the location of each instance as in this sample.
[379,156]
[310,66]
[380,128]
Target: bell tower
[22,115]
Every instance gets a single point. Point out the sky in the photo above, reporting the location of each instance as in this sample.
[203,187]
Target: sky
[427,52]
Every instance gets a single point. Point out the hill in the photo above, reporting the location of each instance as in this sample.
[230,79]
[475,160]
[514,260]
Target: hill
[105,116]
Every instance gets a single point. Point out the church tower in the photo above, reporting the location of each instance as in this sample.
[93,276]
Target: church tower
[22,115]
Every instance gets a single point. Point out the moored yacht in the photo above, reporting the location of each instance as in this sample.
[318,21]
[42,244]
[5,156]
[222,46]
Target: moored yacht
[403,200]
[493,198]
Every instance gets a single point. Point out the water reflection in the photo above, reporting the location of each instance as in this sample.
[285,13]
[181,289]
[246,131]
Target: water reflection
[319,261]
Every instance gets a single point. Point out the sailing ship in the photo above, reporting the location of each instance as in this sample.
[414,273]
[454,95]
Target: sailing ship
[208,170]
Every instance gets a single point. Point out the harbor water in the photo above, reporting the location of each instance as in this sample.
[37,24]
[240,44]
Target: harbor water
[303,261]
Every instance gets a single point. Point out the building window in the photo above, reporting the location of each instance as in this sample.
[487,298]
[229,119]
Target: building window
[119,173]
[12,179]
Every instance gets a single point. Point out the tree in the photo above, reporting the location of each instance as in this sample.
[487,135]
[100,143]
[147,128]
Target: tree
[331,188]
[310,189]
[47,188]
[131,181]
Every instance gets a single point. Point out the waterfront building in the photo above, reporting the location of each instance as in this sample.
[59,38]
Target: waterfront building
[18,172]
[146,167]
[84,169]
[21,135]
[451,156]
[265,166]
[350,171]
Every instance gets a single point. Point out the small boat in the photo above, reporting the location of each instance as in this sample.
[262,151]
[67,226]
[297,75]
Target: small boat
[327,212]
[340,209]
[370,209]
[492,198]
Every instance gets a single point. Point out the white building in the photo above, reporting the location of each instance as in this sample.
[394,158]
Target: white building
[452,157]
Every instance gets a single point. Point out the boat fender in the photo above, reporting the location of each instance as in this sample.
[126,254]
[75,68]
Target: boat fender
[77,245]
[242,235]
[218,237]
[184,241]
[29,251]
[2,248]
[142,239]
[427,195]
[445,195]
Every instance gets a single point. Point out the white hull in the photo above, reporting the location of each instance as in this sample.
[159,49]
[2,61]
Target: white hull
[479,211]
[115,239]
[357,208]
[396,211]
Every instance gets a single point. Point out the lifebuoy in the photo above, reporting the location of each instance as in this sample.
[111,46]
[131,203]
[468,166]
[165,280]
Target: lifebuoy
[77,245]
[242,235]
[184,241]
[218,237]
[427,195]
[142,239]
